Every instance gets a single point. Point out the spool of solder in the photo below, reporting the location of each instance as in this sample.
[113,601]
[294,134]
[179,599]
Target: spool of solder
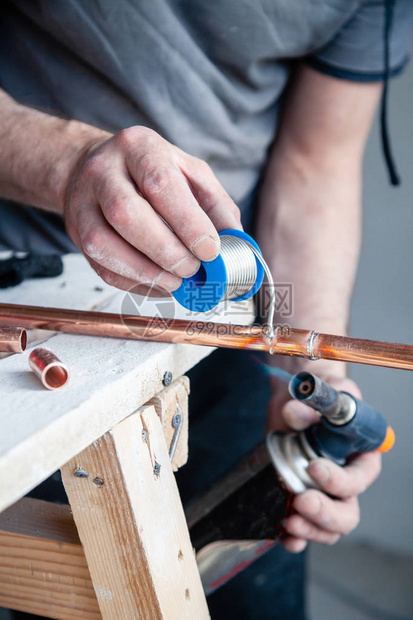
[237,273]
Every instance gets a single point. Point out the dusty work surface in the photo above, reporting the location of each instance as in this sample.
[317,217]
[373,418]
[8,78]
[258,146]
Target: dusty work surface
[40,430]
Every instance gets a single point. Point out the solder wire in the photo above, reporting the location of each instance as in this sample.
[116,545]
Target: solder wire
[239,257]
[271,286]
[240,265]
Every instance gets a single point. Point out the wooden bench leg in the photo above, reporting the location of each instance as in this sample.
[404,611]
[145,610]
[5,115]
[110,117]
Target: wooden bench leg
[132,526]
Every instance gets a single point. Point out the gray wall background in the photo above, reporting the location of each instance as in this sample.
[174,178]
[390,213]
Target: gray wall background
[383,309]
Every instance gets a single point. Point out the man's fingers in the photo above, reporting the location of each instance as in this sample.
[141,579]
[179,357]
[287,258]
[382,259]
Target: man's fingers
[335,516]
[114,279]
[293,544]
[136,221]
[210,194]
[168,192]
[299,416]
[148,291]
[302,529]
[113,254]
[110,277]
[347,481]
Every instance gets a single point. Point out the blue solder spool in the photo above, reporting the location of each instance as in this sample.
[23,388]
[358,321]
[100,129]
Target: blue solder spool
[208,287]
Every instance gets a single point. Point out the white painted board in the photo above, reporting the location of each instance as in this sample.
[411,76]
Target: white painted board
[40,430]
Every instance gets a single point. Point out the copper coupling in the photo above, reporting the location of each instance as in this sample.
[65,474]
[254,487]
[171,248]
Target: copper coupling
[48,368]
[12,339]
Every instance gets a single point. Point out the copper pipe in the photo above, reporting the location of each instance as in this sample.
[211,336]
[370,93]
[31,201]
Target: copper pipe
[135,327]
[48,368]
[373,352]
[296,342]
[12,339]
[313,345]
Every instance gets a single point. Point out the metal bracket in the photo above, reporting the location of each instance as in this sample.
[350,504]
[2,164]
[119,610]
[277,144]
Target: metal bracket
[177,423]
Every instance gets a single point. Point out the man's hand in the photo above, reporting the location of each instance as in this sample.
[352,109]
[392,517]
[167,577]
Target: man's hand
[318,517]
[141,210]
[144,212]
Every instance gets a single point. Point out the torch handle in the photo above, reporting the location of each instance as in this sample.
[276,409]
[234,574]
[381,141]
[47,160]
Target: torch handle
[365,432]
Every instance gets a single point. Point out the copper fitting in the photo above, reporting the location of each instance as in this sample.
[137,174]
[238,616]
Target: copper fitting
[12,339]
[48,368]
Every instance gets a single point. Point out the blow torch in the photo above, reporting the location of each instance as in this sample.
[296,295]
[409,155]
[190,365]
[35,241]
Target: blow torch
[241,517]
[347,426]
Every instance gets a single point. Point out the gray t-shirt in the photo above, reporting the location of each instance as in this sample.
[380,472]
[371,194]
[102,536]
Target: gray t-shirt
[208,76]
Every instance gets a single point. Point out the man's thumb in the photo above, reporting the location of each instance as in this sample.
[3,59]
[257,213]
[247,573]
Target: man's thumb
[299,416]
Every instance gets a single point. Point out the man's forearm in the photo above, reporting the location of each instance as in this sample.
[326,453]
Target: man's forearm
[309,219]
[309,231]
[38,153]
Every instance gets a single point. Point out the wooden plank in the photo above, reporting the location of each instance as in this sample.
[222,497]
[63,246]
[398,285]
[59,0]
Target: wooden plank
[110,379]
[41,430]
[132,525]
[43,568]
[165,404]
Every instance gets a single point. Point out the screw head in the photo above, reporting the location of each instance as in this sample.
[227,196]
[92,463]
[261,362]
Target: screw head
[176,420]
[156,469]
[98,481]
[167,378]
[80,472]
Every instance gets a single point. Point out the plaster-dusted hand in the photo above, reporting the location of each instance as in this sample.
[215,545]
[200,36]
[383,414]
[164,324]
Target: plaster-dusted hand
[113,191]
[317,517]
[144,212]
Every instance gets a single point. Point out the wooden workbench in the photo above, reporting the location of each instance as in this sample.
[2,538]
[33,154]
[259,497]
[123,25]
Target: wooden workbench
[126,551]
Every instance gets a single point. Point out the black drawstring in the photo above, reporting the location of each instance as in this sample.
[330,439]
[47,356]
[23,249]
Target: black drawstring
[388,18]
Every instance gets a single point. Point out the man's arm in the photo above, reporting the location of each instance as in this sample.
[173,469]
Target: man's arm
[309,231]
[115,190]
[38,153]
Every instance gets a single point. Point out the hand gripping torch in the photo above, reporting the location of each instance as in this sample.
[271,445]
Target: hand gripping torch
[240,518]
[348,426]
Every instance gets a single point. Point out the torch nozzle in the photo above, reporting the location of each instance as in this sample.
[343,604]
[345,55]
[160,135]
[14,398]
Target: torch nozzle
[302,385]
[305,388]
[318,395]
